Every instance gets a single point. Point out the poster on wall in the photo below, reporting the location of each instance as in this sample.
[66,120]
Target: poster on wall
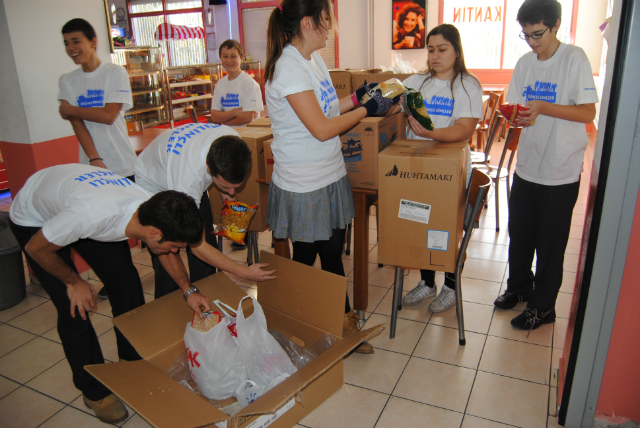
[408,24]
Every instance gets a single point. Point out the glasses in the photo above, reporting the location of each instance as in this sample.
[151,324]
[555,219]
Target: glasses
[534,36]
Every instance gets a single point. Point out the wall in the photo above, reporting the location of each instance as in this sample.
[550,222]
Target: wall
[222,25]
[620,389]
[591,14]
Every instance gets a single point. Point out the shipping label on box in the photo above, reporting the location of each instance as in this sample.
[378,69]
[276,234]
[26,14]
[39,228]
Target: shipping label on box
[362,143]
[421,196]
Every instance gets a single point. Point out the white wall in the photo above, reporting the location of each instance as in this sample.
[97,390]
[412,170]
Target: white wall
[591,14]
[39,56]
[222,25]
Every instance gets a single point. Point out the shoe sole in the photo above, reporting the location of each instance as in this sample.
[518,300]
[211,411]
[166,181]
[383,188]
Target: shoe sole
[534,328]
[105,420]
[419,301]
[437,311]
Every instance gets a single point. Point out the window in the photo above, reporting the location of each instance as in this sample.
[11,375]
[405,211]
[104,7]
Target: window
[146,15]
[489,30]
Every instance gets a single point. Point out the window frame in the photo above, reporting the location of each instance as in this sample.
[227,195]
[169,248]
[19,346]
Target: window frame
[164,13]
[503,75]
[275,3]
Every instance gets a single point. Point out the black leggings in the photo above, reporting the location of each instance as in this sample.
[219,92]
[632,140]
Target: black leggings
[428,276]
[330,252]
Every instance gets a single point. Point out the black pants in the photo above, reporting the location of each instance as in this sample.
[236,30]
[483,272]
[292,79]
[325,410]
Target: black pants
[330,252]
[428,276]
[197,268]
[112,262]
[539,223]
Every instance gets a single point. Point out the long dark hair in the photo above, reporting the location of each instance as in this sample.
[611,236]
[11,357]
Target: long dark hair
[284,25]
[451,34]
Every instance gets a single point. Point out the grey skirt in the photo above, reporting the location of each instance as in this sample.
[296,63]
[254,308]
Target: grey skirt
[310,217]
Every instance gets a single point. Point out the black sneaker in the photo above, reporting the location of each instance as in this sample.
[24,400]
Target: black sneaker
[510,299]
[531,319]
[235,246]
[102,294]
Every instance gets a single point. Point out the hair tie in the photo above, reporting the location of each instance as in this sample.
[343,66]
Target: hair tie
[280,7]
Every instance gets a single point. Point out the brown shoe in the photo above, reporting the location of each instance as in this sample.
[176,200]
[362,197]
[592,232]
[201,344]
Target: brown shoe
[351,327]
[109,410]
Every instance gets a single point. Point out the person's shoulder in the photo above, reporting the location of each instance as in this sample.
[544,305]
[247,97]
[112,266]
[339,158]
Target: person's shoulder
[415,79]
[111,68]
[470,80]
[70,75]
[526,60]
[571,52]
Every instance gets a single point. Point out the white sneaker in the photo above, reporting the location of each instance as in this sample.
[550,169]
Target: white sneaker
[418,294]
[445,300]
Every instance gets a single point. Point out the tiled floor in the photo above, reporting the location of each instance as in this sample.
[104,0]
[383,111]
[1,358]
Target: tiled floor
[421,378]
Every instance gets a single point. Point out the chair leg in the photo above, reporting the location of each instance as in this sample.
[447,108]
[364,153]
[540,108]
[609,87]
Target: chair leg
[256,253]
[249,248]
[496,195]
[377,229]
[397,297]
[459,312]
[220,244]
[347,251]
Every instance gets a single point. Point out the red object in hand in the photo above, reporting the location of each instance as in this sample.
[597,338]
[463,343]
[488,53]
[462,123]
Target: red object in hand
[512,112]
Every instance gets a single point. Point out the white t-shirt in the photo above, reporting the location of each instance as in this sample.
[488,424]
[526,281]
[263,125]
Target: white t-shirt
[109,83]
[551,152]
[241,92]
[177,159]
[74,201]
[302,163]
[444,109]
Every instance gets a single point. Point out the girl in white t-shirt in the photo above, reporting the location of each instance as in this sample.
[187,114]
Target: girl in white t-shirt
[310,200]
[453,97]
[237,98]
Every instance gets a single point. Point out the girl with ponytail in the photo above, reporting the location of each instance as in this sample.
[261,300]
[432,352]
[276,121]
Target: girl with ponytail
[310,200]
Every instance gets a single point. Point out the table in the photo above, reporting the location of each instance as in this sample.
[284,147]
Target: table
[140,141]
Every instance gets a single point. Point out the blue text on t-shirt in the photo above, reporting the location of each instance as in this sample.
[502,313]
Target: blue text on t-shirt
[182,134]
[93,98]
[544,91]
[230,100]
[97,179]
[439,106]
[328,95]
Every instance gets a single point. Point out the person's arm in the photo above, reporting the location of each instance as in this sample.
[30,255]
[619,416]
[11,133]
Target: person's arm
[583,113]
[86,141]
[462,130]
[242,119]
[174,266]
[222,117]
[81,293]
[107,114]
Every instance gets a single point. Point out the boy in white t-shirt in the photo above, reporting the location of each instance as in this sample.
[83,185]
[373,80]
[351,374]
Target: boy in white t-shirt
[237,99]
[93,98]
[556,82]
[94,211]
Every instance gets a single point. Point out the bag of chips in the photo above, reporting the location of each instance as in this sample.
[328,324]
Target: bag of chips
[512,111]
[235,220]
[413,104]
[390,89]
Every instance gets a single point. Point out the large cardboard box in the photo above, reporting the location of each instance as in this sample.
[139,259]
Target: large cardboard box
[250,192]
[359,78]
[268,160]
[261,122]
[303,303]
[362,143]
[421,203]
[341,80]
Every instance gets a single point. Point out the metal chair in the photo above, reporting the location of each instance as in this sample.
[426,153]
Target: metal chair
[483,127]
[484,157]
[477,191]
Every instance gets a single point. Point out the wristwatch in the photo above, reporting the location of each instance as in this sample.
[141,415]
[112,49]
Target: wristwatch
[190,291]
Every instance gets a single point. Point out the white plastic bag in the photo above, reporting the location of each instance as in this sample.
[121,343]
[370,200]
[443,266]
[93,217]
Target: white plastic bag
[266,363]
[214,360]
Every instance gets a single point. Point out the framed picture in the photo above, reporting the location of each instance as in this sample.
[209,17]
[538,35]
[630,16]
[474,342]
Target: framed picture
[409,19]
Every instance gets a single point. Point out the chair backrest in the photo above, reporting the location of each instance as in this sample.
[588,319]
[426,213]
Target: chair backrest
[492,106]
[496,122]
[134,127]
[479,180]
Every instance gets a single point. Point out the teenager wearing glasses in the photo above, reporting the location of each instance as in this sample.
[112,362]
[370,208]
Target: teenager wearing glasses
[556,82]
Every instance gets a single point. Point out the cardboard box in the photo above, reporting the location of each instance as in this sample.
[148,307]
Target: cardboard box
[303,302]
[251,191]
[268,160]
[359,78]
[423,182]
[261,122]
[341,82]
[362,143]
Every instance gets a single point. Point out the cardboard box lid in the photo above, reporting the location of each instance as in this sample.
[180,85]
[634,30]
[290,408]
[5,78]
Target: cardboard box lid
[423,148]
[254,132]
[317,297]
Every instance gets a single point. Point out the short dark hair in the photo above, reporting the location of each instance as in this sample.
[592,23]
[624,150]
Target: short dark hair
[231,44]
[79,24]
[536,11]
[175,214]
[230,158]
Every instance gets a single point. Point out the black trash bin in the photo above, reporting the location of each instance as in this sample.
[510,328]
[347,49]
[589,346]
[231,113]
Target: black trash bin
[13,288]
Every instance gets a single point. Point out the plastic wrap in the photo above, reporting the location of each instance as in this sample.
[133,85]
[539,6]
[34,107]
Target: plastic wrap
[390,89]
[235,220]
[414,105]
[512,112]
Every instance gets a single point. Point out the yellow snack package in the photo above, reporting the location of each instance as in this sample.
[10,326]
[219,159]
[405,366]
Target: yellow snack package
[390,89]
[235,220]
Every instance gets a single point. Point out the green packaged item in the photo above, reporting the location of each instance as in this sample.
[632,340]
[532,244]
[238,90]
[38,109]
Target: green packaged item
[414,105]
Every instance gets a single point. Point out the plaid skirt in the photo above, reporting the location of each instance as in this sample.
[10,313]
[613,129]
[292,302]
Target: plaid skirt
[312,216]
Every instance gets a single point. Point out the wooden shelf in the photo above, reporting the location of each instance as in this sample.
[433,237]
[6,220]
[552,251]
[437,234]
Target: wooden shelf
[187,99]
[145,73]
[137,110]
[146,91]
[190,83]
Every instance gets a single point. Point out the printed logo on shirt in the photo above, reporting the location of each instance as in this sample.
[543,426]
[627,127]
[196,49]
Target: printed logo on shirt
[100,179]
[544,91]
[123,90]
[327,96]
[589,89]
[439,106]
[180,136]
[230,100]
[93,98]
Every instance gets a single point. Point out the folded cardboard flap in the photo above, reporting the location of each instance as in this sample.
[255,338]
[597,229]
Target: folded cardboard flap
[303,292]
[155,396]
[281,393]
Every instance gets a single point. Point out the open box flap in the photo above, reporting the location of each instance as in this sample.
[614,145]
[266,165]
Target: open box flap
[303,292]
[155,396]
[282,392]
[157,325]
